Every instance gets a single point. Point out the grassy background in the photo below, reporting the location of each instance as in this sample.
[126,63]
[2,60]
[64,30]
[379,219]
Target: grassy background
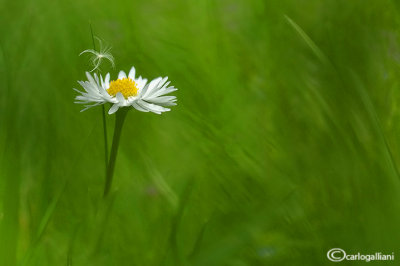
[284,144]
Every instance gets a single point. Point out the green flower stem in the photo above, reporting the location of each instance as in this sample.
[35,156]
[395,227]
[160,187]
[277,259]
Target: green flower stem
[103,112]
[119,122]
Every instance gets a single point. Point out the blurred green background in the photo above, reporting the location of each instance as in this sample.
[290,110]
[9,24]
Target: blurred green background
[285,142]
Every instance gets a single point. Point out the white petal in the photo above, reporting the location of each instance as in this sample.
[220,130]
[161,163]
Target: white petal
[90,78]
[143,91]
[96,78]
[105,94]
[91,90]
[121,75]
[152,107]
[89,106]
[163,91]
[141,82]
[138,107]
[152,85]
[113,108]
[107,81]
[163,100]
[156,88]
[120,97]
[163,81]
[101,81]
[132,73]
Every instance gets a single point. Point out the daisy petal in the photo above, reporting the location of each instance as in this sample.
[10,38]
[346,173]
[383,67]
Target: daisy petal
[120,97]
[163,100]
[138,107]
[107,81]
[152,86]
[141,82]
[90,78]
[144,90]
[132,73]
[163,91]
[152,107]
[121,75]
[113,108]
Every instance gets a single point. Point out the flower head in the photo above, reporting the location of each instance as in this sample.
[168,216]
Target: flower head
[126,91]
[97,57]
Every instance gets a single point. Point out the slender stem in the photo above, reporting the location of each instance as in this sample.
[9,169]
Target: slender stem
[105,137]
[119,122]
[103,113]
[91,32]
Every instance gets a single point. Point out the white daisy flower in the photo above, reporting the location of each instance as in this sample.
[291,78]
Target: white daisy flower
[126,91]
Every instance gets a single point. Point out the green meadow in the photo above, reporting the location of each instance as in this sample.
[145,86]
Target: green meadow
[285,142]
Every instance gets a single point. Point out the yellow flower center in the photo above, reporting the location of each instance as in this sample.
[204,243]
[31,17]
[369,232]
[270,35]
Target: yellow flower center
[126,86]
